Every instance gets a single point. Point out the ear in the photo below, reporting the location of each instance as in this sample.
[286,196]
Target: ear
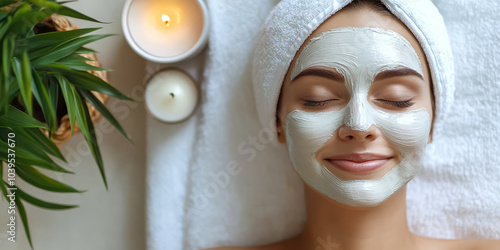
[280,130]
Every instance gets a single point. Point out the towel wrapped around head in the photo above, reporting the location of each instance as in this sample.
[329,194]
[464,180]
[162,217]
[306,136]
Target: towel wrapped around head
[292,21]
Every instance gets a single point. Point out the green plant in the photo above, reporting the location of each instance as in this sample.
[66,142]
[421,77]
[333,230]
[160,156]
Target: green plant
[35,68]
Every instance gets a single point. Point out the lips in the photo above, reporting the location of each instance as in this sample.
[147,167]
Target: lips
[359,163]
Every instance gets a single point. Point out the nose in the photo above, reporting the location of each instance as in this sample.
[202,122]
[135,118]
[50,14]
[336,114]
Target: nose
[346,133]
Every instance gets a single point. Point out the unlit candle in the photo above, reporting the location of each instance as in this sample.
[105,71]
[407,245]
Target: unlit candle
[171,96]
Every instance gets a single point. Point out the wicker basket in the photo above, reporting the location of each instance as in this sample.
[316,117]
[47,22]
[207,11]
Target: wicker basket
[63,132]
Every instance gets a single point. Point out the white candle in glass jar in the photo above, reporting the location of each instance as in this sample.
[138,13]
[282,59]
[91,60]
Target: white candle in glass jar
[171,96]
[165,31]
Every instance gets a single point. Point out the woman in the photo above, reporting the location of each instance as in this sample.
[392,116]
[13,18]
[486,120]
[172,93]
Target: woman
[356,108]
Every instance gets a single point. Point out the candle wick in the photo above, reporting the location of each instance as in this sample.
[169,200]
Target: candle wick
[172,94]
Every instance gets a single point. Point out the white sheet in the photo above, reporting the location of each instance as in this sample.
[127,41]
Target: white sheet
[195,200]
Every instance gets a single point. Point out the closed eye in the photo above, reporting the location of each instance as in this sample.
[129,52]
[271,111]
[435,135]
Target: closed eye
[399,104]
[319,103]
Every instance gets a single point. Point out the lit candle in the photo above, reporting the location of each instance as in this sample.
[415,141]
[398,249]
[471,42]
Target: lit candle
[165,31]
[171,96]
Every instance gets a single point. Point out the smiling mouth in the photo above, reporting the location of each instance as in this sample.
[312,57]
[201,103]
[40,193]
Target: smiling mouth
[359,163]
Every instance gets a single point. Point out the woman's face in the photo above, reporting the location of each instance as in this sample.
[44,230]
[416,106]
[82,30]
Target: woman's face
[367,91]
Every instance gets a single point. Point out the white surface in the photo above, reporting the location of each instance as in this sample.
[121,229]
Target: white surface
[217,180]
[113,219]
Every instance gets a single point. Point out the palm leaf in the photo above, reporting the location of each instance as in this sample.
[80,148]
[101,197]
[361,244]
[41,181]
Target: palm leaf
[39,203]
[19,206]
[6,2]
[53,39]
[42,96]
[65,11]
[22,71]
[103,110]
[24,218]
[31,156]
[37,179]
[7,50]
[69,95]
[36,136]
[66,49]
[82,66]
[88,81]
[17,118]
[53,90]
[26,18]
[84,50]
[5,27]
[85,124]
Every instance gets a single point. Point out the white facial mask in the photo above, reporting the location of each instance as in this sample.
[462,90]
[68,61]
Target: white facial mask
[359,54]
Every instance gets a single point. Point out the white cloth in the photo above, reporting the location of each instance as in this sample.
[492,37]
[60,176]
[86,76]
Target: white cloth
[455,195]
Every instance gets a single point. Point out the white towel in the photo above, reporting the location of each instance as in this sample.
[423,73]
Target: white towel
[456,194]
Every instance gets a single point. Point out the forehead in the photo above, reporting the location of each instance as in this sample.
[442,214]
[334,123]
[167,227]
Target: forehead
[365,18]
[358,48]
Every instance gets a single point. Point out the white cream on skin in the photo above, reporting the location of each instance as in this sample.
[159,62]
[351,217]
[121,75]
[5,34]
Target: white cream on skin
[359,54]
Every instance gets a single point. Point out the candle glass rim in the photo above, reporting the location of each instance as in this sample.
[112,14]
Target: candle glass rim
[197,48]
[195,83]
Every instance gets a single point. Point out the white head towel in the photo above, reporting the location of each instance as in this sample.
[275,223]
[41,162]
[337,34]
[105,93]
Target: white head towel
[292,21]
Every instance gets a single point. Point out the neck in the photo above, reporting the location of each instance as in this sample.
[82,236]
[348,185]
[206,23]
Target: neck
[334,226]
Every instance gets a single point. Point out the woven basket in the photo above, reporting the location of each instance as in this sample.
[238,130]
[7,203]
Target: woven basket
[63,132]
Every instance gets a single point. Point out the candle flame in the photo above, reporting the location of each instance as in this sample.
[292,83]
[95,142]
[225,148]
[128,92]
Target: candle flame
[166,19]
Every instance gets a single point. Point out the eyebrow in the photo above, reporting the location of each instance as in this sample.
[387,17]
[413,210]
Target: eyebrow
[400,71]
[326,73]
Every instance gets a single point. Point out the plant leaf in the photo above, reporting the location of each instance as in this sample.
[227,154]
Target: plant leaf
[63,2]
[19,206]
[24,218]
[88,81]
[26,18]
[53,67]
[7,50]
[5,27]
[53,91]
[13,89]
[22,71]
[17,118]
[6,2]
[42,96]
[2,184]
[69,93]
[21,11]
[65,11]
[85,124]
[46,4]
[40,203]
[66,49]
[30,155]
[74,58]
[37,179]
[55,38]
[42,141]
[103,110]
[84,50]
[82,66]
[3,14]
